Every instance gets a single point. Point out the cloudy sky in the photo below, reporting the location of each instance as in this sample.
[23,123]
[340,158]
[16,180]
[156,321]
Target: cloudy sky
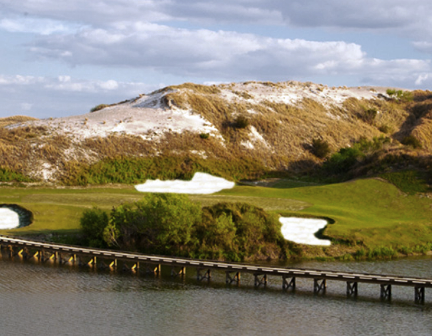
[62,57]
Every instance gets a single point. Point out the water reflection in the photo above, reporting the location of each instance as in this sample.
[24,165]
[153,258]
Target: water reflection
[47,299]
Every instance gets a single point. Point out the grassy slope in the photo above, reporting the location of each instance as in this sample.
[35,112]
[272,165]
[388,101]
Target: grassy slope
[367,212]
[370,211]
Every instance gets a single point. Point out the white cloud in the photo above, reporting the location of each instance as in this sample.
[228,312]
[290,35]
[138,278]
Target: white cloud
[36,26]
[421,79]
[396,16]
[220,55]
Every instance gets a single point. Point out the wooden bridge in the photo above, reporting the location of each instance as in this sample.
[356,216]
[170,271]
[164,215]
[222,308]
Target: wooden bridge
[141,263]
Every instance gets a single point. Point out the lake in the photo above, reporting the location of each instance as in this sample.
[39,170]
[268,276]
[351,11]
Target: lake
[47,299]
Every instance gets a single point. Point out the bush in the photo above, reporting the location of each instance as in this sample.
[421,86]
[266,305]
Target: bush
[159,223]
[204,135]
[400,95]
[171,224]
[412,141]
[342,161]
[98,107]
[241,122]
[93,223]
[320,148]
[370,115]
[384,129]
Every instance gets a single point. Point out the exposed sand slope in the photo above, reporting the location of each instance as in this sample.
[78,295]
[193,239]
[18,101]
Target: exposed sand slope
[273,134]
[149,117]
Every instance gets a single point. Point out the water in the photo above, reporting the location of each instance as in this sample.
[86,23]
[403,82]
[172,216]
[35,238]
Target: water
[63,300]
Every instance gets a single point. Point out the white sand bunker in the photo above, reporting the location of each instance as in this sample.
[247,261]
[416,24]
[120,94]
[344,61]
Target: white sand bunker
[201,183]
[9,219]
[302,230]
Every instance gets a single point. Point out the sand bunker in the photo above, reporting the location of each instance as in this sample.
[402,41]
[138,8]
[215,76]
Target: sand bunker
[9,219]
[302,230]
[201,183]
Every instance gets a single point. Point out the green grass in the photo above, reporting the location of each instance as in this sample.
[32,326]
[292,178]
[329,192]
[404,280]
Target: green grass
[408,181]
[370,213]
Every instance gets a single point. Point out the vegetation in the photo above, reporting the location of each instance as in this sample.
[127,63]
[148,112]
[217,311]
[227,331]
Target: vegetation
[412,141]
[320,148]
[136,170]
[173,225]
[241,122]
[204,135]
[98,107]
[7,175]
[369,216]
[346,158]
[400,94]
[408,181]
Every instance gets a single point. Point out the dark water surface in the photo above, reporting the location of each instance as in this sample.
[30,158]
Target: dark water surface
[63,300]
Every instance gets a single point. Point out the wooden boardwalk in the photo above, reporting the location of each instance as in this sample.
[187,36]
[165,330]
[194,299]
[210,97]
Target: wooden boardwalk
[152,264]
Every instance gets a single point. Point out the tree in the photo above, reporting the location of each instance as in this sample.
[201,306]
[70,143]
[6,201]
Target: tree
[93,223]
[159,223]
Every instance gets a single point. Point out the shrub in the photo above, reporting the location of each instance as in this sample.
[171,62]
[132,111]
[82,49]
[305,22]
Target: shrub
[320,148]
[7,175]
[400,95]
[412,141]
[241,122]
[370,115]
[384,129]
[93,223]
[204,135]
[159,223]
[98,107]
[342,161]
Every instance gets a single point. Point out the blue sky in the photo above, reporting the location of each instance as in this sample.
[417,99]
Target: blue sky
[61,57]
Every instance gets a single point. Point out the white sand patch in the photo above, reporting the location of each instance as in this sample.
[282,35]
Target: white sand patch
[294,92]
[47,172]
[302,230]
[201,183]
[9,219]
[146,117]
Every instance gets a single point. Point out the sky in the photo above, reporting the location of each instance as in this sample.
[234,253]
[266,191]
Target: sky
[63,57]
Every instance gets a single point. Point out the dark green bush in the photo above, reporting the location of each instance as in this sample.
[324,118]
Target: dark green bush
[93,223]
[369,115]
[412,141]
[342,161]
[385,129]
[7,175]
[171,224]
[204,135]
[159,223]
[241,122]
[320,148]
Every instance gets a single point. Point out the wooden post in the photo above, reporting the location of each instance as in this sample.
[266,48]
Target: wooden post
[352,289]
[419,292]
[205,276]
[385,292]
[288,284]
[235,278]
[320,285]
[181,272]
[260,281]
[113,264]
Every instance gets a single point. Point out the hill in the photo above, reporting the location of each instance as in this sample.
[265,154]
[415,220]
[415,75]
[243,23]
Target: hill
[239,130]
